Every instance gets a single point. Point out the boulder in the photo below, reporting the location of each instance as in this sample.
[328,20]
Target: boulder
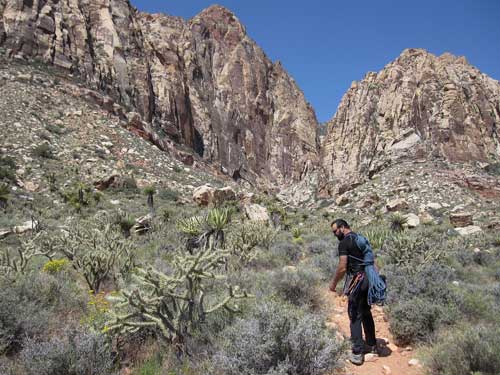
[203,195]
[142,224]
[466,231]
[115,181]
[206,195]
[397,205]
[426,218]
[341,200]
[5,232]
[412,220]
[223,195]
[461,219]
[256,212]
[27,226]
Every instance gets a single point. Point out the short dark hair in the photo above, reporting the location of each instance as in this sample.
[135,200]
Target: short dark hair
[340,223]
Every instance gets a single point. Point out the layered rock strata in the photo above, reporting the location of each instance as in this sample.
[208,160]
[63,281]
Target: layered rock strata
[203,83]
[419,106]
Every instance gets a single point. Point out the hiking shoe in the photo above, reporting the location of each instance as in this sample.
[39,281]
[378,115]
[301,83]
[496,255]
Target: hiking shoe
[357,359]
[373,349]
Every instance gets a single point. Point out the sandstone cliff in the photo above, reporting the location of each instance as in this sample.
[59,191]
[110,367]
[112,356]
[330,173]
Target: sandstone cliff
[202,83]
[419,106]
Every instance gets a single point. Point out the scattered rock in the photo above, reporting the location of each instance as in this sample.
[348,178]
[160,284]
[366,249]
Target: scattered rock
[461,219]
[370,357]
[27,226]
[5,232]
[412,220]
[142,224]
[397,205]
[414,362]
[256,212]
[471,229]
[342,200]
[386,370]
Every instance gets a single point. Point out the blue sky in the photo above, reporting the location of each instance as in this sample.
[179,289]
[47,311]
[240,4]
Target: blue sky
[325,45]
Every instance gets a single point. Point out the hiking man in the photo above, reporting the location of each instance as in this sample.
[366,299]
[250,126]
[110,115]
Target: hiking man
[356,288]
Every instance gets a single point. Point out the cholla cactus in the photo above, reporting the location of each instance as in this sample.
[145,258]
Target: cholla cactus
[246,237]
[173,304]
[16,262]
[97,251]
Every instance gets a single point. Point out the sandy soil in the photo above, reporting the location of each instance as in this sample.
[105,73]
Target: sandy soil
[392,361]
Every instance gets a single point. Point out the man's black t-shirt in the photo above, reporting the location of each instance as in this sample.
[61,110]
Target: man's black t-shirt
[348,247]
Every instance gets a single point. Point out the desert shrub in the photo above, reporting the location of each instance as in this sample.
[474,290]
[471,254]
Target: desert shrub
[55,266]
[493,169]
[168,194]
[432,282]
[55,129]
[296,286]
[7,168]
[474,302]
[79,353]
[467,350]
[320,245]
[412,252]
[43,151]
[4,195]
[288,251]
[417,319]
[272,340]
[326,263]
[26,306]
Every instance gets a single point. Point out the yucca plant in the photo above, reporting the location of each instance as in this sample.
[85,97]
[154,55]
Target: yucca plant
[149,191]
[217,220]
[397,222]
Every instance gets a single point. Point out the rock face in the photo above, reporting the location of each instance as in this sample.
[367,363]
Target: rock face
[202,83]
[418,106]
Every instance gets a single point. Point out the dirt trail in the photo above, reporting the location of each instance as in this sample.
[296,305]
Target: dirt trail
[393,361]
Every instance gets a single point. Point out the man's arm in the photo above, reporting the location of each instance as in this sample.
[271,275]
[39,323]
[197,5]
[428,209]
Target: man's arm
[340,272]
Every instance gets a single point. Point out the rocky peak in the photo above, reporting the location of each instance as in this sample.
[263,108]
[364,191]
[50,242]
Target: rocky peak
[419,106]
[202,83]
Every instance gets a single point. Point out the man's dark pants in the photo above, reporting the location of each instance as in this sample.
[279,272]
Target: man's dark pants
[360,314]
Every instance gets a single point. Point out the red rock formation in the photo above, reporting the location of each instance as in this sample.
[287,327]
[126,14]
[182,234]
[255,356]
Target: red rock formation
[203,83]
[418,106]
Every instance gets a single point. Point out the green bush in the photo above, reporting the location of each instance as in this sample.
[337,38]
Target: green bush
[55,129]
[168,194]
[467,350]
[417,319]
[28,304]
[43,151]
[273,339]
[79,353]
[7,168]
[296,286]
[55,266]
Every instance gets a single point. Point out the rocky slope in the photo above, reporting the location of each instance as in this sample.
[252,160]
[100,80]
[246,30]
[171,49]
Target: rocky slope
[202,83]
[419,106]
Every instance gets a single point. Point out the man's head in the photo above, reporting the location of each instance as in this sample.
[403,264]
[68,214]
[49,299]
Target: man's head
[340,228]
